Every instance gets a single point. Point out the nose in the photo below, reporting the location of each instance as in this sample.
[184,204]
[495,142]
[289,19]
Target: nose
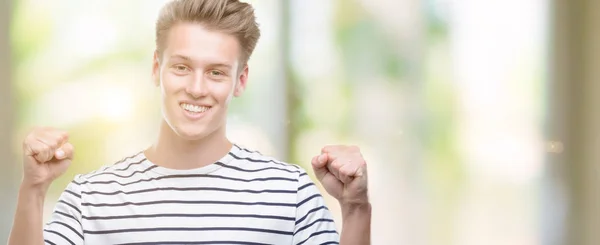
[197,87]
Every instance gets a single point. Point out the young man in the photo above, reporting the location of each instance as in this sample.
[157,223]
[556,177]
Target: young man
[193,186]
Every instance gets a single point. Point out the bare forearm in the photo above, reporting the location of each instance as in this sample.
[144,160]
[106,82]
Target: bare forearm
[28,224]
[356,228]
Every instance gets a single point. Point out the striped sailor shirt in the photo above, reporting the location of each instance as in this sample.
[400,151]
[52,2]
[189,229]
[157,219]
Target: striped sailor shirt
[244,198]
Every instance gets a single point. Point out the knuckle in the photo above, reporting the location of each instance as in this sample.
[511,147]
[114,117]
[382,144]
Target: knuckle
[44,148]
[346,171]
[53,145]
[30,137]
[337,164]
[62,136]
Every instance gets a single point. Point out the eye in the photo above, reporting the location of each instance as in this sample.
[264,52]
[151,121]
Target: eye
[180,69]
[216,73]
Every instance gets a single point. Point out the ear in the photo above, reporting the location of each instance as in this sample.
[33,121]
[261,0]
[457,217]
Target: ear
[241,82]
[156,69]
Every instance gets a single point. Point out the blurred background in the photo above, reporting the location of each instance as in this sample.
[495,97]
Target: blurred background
[479,119]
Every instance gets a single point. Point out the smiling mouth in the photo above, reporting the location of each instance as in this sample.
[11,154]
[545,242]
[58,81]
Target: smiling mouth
[194,108]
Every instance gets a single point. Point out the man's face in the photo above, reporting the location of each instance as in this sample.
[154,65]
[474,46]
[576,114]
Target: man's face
[198,74]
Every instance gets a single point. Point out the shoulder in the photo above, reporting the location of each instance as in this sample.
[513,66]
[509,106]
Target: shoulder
[270,166]
[255,159]
[122,168]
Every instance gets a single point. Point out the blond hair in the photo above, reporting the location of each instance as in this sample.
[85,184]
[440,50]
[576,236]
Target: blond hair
[228,16]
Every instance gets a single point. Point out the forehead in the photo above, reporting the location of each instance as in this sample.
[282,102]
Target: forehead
[201,44]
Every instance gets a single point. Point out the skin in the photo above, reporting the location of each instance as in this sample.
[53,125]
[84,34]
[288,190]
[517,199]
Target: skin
[342,171]
[199,67]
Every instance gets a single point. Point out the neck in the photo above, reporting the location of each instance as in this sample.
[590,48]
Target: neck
[172,151]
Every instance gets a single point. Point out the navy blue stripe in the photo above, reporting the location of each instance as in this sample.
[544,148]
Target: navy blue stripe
[316,234]
[130,164]
[309,212]
[126,176]
[127,158]
[304,186]
[254,170]
[95,173]
[189,215]
[259,160]
[61,235]
[311,224]
[247,150]
[186,202]
[308,199]
[65,225]
[302,174]
[70,205]
[49,242]
[188,229]
[257,152]
[73,193]
[187,176]
[68,216]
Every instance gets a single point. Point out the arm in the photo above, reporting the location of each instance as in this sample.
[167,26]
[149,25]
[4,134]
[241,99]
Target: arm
[343,172]
[27,226]
[356,227]
[64,226]
[46,155]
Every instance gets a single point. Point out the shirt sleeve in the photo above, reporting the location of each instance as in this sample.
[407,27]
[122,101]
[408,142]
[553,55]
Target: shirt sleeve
[64,226]
[314,222]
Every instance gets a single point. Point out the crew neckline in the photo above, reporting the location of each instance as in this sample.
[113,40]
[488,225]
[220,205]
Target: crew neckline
[226,159]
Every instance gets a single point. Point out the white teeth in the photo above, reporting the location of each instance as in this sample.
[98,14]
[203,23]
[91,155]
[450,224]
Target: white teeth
[194,108]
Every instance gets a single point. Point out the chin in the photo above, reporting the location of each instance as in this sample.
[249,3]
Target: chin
[192,132]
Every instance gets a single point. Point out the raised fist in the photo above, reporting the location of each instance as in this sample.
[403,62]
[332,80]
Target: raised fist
[46,155]
[343,172]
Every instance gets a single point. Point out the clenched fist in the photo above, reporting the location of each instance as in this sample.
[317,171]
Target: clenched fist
[343,173]
[46,155]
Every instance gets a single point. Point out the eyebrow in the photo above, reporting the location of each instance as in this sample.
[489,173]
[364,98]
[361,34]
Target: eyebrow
[221,65]
[178,56]
[187,58]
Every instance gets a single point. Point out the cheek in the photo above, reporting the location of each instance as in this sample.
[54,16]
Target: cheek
[223,92]
[171,83]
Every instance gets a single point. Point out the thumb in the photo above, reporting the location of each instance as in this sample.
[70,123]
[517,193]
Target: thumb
[64,152]
[319,164]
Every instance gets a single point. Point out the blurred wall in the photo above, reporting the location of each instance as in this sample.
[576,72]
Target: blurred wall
[575,110]
[7,179]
